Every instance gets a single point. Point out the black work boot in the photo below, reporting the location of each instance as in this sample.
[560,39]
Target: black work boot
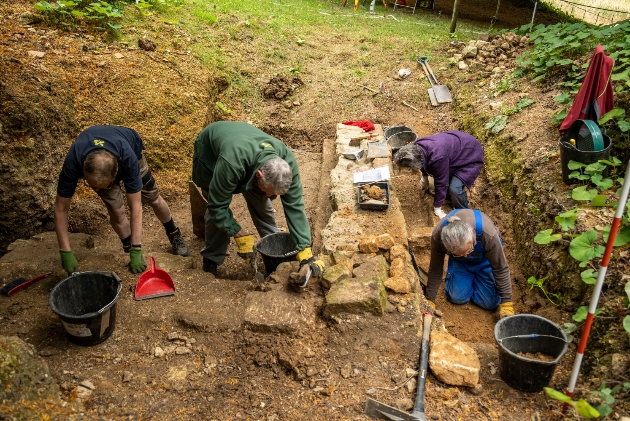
[210,266]
[177,241]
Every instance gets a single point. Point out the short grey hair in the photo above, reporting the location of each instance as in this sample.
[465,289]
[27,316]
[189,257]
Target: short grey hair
[277,175]
[410,156]
[101,165]
[456,234]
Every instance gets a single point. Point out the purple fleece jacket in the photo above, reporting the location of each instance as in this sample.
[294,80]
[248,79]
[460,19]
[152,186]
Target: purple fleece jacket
[449,154]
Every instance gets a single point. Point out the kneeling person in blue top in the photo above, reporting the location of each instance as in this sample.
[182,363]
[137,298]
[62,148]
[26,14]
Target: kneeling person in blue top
[477,268]
[104,156]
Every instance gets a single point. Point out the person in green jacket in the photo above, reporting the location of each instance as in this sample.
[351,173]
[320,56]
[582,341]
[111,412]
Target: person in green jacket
[235,157]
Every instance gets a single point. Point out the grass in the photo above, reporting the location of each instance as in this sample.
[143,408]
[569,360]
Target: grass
[592,11]
[238,38]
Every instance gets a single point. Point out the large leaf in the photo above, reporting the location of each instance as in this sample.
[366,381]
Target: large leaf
[580,193]
[622,238]
[599,200]
[582,312]
[559,396]
[626,323]
[614,113]
[627,289]
[574,165]
[583,247]
[546,237]
[585,410]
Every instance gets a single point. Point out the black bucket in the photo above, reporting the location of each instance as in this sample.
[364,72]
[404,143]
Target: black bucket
[275,249]
[86,304]
[568,153]
[540,336]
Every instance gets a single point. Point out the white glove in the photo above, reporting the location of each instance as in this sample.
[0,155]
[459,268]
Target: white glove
[424,183]
[439,212]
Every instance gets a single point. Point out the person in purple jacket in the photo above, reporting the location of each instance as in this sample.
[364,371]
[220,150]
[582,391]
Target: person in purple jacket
[453,158]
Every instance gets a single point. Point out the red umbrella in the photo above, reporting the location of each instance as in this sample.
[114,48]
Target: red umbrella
[595,97]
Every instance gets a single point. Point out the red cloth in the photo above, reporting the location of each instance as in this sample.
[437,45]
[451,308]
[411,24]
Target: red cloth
[366,125]
[595,97]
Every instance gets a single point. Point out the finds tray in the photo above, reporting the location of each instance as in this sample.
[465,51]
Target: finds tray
[366,198]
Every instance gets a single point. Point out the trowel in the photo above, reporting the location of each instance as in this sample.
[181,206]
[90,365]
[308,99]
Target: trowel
[304,276]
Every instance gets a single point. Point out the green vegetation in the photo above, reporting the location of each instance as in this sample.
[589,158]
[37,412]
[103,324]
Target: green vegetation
[558,50]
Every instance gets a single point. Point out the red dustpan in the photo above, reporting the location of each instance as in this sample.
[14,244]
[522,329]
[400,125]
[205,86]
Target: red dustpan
[153,283]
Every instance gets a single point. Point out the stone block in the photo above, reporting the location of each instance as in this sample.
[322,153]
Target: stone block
[272,311]
[398,251]
[341,258]
[376,268]
[334,274]
[367,244]
[397,268]
[356,296]
[420,237]
[398,284]
[452,361]
[384,241]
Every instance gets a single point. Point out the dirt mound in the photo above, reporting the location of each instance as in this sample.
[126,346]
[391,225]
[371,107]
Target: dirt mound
[280,87]
[37,123]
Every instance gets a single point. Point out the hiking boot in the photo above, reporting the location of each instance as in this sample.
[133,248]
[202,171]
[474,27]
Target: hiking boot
[177,241]
[210,266]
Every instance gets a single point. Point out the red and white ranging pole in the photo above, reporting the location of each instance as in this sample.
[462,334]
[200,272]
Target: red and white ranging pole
[598,286]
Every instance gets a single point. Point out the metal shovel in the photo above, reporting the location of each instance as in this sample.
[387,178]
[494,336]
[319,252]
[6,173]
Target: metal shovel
[430,90]
[442,94]
[381,411]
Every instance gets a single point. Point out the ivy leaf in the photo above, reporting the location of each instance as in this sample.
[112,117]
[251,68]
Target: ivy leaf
[583,247]
[588,276]
[580,193]
[567,219]
[603,409]
[622,238]
[546,237]
[559,396]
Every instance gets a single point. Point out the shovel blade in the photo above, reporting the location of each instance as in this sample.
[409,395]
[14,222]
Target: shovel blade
[380,411]
[432,97]
[442,94]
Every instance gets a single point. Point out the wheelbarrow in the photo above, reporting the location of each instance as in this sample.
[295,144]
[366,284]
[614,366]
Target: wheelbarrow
[153,283]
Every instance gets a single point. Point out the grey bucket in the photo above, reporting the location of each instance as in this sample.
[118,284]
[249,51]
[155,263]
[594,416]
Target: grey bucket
[399,136]
[276,248]
[86,304]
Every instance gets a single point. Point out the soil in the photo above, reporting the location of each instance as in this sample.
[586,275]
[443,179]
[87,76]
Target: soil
[536,356]
[324,370]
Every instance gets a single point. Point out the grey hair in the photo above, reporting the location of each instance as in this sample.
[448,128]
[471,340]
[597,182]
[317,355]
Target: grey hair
[409,156]
[277,175]
[101,165]
[456,234]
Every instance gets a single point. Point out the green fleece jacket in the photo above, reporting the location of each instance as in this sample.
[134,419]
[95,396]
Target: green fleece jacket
[226,158]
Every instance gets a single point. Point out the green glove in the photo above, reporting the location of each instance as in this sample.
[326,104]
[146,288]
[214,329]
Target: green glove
[245,246]
[68,261]
[136,262]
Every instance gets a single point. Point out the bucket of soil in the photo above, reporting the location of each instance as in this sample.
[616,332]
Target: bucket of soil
[86,304]
[584,143]
[530,347]
[373,196]
[399,136]
[275,249]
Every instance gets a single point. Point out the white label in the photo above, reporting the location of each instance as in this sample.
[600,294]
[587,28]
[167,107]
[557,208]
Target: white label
[77,330]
